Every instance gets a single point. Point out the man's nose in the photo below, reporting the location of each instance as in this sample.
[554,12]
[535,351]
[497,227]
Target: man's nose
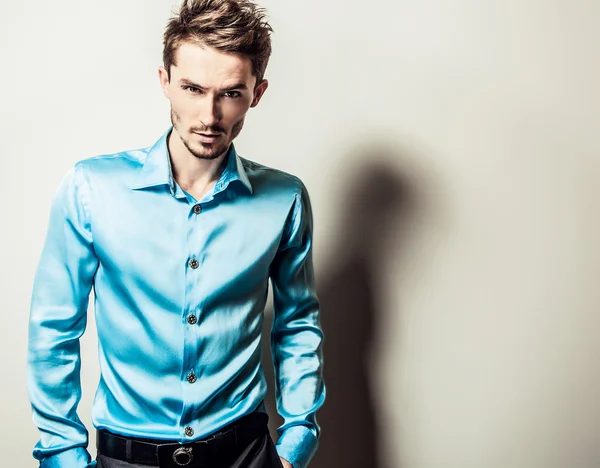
[210,112]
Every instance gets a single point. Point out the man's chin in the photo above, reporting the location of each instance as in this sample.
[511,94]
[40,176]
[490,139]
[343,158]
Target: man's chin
[208,151]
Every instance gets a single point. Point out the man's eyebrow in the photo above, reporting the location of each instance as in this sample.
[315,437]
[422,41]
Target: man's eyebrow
[236,86]
[185,81]
[240,85]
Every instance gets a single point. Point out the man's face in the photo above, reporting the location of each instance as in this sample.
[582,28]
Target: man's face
[210,93]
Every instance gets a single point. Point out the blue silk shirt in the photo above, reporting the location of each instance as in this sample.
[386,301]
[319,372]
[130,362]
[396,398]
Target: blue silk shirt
[180,287]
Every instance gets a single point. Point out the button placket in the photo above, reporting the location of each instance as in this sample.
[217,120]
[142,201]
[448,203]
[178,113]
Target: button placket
[193,276]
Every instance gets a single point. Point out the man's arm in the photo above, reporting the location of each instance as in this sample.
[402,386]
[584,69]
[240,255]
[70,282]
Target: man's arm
[296,338]
[58,318]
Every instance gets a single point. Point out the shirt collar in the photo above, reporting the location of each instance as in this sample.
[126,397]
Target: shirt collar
[156,169]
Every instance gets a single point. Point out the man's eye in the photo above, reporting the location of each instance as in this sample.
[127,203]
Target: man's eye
[191,88]
[232,94]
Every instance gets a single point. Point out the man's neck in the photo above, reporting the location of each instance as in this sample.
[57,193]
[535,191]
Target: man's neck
[194,175]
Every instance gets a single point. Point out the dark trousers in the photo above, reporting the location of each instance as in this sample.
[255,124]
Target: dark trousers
[256,451]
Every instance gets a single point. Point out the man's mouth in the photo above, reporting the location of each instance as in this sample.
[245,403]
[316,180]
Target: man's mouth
[207,137]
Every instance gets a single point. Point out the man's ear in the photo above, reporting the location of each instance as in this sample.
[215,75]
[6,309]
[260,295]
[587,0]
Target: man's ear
[259,90]
[163,77]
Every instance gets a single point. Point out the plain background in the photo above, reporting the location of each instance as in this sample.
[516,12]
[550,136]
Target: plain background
[451,150]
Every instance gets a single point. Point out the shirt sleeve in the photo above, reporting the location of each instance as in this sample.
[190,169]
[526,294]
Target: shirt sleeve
[296,338]
[58,317]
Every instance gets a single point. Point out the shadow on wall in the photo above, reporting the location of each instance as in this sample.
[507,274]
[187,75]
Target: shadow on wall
[377,199]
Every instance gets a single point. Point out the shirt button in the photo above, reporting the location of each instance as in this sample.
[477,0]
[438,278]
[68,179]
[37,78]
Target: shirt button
[191,377]
[194,263]
[192,319]
[197,209]
[189,431]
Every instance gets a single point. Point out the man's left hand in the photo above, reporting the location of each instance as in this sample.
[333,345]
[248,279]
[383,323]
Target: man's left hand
[286,464]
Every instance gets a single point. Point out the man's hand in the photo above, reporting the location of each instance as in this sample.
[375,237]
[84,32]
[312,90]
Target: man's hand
[285,463]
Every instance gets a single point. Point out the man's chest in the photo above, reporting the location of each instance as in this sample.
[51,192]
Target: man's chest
[159,238]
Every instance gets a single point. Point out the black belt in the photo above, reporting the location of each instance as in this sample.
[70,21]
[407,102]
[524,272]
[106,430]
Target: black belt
[223,444]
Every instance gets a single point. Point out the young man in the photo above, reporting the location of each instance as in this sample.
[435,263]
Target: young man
[178,241]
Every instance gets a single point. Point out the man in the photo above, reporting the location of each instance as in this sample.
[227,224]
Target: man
[178,241]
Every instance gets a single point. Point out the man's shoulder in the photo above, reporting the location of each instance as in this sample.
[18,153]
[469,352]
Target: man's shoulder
[114,162]
[267,177]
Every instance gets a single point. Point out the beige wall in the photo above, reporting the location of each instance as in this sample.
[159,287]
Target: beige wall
[451,151]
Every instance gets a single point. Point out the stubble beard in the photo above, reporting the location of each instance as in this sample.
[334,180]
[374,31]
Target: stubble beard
[207,150]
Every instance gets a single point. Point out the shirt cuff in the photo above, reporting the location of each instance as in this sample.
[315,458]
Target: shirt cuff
[76,457]
[297,445]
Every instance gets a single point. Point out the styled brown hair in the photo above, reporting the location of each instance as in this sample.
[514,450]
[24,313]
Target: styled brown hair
[232,26]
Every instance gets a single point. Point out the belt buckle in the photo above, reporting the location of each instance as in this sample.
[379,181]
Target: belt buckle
[183,456]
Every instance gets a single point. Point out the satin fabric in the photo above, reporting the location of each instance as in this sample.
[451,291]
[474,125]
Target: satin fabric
[121,226]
